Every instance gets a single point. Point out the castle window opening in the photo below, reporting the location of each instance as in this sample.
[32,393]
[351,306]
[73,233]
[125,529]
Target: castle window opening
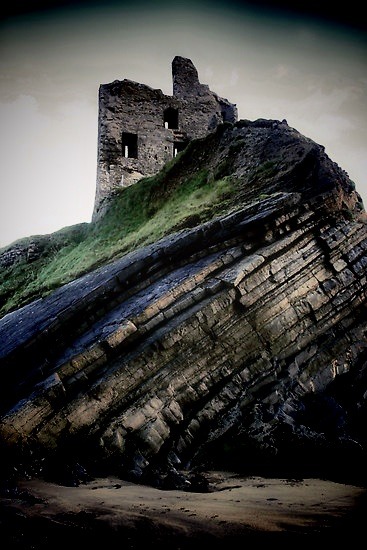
[170,118]
[178,146]
[129,144]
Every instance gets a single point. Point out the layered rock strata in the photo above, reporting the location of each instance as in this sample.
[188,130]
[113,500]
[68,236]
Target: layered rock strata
[149,360]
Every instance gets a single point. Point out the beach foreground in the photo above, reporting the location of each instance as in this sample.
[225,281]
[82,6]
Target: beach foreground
[39,514]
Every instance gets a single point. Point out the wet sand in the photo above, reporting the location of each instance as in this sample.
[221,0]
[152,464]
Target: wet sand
[237,509]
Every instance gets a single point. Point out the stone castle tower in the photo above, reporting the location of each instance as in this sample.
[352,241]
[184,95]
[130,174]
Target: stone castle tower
[140,128]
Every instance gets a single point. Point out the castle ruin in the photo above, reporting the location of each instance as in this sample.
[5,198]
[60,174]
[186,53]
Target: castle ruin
[140,128]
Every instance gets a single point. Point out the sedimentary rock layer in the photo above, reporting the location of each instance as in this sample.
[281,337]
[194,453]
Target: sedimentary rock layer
[148,359]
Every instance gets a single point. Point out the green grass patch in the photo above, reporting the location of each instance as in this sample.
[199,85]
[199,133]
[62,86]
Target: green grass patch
[265,171]
[136,216]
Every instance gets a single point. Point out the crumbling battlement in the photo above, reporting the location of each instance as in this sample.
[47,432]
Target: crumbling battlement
[140,128]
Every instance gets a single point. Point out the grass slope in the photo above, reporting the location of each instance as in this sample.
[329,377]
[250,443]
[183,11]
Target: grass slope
[136,216]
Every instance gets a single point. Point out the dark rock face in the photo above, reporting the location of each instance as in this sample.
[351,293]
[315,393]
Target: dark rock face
[240,341]
[15,253]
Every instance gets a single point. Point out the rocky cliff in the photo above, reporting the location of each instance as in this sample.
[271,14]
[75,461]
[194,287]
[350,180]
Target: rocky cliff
[239,341]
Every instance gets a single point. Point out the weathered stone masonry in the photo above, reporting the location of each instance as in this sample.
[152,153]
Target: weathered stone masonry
[140,128]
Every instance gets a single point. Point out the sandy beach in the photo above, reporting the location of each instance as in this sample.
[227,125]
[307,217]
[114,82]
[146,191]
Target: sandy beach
[236,509]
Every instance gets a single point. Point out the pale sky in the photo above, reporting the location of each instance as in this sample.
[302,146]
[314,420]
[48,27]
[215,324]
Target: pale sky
[271,64]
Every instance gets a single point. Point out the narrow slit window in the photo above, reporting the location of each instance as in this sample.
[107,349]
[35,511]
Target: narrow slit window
[178,146]
[129,143]
[171,118]
[224,116]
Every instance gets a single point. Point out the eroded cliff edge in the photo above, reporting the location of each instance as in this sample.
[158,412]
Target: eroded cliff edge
[237,340]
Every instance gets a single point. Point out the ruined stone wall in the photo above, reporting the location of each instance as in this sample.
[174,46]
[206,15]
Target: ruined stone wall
[128,107]
[140,128]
